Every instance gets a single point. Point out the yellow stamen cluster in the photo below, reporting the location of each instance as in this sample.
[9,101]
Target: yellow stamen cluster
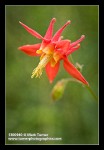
[47,55]
[43,62]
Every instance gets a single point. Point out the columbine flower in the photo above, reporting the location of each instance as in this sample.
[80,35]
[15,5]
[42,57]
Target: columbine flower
[51,51]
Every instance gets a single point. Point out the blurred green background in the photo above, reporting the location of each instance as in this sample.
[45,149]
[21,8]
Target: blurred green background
[29,106]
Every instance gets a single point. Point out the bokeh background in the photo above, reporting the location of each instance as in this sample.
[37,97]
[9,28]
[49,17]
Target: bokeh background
[29,106]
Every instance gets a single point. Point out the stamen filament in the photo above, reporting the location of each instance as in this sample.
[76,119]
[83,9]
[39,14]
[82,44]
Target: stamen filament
[38,70]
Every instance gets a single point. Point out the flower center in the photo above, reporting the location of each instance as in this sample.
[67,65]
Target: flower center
[39,69]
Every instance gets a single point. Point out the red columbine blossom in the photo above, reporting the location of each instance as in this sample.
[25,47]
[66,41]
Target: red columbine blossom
[51,51]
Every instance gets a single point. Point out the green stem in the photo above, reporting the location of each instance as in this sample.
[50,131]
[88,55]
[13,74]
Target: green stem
[92,93]
[88,87]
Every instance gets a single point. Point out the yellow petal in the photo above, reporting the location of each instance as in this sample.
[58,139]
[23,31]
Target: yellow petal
[39,51]
[56,56]
[53,62]
[48,49]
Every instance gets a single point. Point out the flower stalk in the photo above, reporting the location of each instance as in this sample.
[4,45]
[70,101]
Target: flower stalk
[65,81]
[59,88]
[91,92]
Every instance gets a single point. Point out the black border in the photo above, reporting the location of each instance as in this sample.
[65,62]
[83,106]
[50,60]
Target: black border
[2,63]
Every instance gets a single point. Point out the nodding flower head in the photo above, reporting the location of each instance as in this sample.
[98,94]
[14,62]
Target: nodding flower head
[51,51]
